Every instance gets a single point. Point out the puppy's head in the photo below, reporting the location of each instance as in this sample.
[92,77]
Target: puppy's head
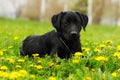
[69,24]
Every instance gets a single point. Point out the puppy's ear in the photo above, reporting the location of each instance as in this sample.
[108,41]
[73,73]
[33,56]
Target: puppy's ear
[56,20]
[84,20]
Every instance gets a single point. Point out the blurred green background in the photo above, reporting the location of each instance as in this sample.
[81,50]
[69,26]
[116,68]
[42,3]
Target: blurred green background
[99,11]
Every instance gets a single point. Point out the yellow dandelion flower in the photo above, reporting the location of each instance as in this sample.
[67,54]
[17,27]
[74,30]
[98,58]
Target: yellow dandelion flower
[93,70]
[52,78]
[102,45]
[39,61]
[88,78]
[21,60]
[51,64]
[86,49]
[18,67]
[31,65]
[2,58]
[75,61]
[97,50]
[14,75]
[1,52]
[3,74]
[118,47]
[78,54]
[117,54]
[35,55]
[22,73]
[16,38]
[87,68]
[10,47]
[10,60]
[4,68]
[114,74]
[32,76]
[57,66]
[101,58]
[39,67]
[118,70]
[108,41]
[4,50]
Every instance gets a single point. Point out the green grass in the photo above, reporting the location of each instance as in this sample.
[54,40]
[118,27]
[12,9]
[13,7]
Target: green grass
[100,45]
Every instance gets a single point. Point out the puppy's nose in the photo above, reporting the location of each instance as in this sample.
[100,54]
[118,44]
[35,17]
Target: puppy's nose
[73,33]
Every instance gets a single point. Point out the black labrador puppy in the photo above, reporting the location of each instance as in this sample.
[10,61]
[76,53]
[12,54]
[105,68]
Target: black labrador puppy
[64,41]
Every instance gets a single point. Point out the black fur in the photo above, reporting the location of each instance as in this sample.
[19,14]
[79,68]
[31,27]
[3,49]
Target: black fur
[64,41]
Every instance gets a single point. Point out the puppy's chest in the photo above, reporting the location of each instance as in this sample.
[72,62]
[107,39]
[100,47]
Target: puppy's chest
[65,48]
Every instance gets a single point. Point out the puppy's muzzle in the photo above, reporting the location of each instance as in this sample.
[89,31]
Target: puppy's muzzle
[74,34]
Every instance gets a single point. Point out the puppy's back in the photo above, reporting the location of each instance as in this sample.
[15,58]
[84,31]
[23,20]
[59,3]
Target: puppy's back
[30,45]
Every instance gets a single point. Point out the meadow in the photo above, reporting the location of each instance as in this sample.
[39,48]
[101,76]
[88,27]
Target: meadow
[101,51]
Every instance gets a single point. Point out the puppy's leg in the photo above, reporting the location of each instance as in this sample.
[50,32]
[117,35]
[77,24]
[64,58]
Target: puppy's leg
[80,49]
[22,51]
[76,46]
[54,50]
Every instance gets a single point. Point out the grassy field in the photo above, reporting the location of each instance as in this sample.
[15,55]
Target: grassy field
[101,48]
